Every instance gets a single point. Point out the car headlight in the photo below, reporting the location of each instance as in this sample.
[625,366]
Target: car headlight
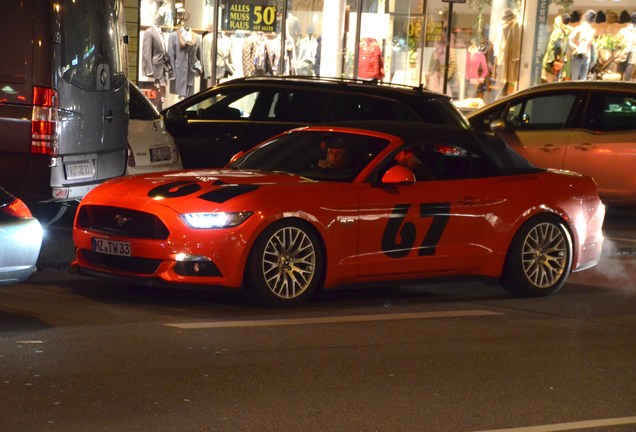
[215,220]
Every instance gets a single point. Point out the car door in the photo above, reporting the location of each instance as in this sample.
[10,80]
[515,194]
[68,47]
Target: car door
[605,148]
[233,119]
[444,223]
[539,127]
[213,126]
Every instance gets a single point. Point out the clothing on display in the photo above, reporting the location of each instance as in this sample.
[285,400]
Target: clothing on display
[370,61]
[581,43]
[224,63]
[476,69]
[156,12]
[183,52]
[256,59]
[507,50]
[628,55]
[155,62]
[206,54]
[307,49]
[153,55]
[557,51]
[273,50]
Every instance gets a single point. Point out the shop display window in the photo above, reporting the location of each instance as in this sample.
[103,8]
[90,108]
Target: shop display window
[471,50]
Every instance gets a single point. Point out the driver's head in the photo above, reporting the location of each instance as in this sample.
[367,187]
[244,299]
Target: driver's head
[337,156]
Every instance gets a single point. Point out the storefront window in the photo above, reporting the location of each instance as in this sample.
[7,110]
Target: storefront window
[475,51]
[382,40]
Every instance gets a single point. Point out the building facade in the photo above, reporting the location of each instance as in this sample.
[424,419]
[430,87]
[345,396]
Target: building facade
[474,50]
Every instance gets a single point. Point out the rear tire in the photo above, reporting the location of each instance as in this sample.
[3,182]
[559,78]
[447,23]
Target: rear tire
[539,259]
[285,265]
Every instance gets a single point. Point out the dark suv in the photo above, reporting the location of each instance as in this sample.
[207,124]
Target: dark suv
[214,124]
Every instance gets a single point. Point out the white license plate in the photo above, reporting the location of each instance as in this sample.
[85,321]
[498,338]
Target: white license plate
[159,154]
[79,170]
[111,247]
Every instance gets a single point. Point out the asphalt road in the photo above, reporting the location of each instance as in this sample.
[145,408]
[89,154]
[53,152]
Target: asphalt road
[78,354]
[82,354]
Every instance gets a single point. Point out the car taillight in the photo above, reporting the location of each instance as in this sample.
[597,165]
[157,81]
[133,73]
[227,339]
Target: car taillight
[131,157]
[44,121]
[17,209]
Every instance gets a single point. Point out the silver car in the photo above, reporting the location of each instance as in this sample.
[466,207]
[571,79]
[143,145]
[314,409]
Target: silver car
[20,239]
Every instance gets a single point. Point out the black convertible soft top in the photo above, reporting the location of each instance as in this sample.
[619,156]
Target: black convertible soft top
[509,161]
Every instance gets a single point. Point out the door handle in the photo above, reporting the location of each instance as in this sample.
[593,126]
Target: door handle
[109,117]
[585,146]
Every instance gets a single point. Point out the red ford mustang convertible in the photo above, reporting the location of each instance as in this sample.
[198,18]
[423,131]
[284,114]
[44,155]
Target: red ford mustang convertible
[343,204]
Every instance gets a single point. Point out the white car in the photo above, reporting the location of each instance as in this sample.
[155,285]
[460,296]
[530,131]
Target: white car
[151,148]
[20,239]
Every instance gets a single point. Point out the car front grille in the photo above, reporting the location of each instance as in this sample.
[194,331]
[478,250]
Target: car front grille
[121,222]
[129,264]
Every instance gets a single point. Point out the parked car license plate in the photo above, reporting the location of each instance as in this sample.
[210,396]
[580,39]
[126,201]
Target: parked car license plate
[110,247]
[159,154]
[78,170]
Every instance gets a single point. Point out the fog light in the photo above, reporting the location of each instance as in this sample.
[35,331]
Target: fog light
[196,268]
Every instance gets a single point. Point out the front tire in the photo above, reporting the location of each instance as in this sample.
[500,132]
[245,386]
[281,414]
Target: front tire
[539,259]
[285,265]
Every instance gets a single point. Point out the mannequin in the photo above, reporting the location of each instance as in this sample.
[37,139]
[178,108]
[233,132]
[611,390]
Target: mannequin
[183,51]
[508,52]
[307,48]
[581,42]
[556,53]
[224,62]
[628,34]
[155,62]
[476,69]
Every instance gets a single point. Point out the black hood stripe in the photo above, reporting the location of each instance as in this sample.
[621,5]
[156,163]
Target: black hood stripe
[225,193]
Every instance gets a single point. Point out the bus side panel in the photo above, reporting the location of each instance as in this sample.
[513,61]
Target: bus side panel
[15,92]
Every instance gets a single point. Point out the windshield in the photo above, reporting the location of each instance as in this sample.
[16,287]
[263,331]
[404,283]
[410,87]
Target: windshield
[331,156]
[92,40]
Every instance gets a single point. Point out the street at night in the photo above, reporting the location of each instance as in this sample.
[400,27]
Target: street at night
[80,354]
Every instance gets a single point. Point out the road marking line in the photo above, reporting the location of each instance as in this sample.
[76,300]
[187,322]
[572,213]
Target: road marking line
[628,240]
[332,320]
[586,424]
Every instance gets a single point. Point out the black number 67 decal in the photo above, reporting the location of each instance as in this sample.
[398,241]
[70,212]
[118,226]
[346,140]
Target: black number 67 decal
[398,238]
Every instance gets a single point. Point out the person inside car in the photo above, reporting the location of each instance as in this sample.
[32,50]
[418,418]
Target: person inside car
[408,159]
[337,157]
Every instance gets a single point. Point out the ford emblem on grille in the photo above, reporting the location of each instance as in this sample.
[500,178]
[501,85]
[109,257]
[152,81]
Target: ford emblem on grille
[121,220]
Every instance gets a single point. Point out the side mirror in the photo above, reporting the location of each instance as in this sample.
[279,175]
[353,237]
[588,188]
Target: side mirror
[398,175]
[175,119]
[498,125]
[236,156]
